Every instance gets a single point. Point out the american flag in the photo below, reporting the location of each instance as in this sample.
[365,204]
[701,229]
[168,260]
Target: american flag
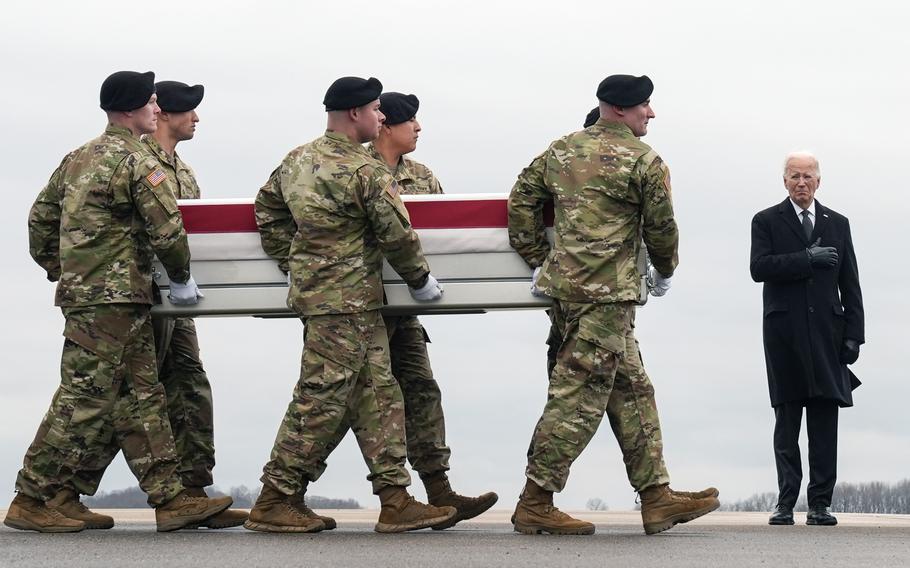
[156,177]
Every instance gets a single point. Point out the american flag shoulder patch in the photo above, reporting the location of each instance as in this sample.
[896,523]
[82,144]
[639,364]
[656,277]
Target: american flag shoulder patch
[156,177]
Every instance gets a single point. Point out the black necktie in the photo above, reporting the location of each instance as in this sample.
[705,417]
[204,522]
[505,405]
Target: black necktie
[807,224]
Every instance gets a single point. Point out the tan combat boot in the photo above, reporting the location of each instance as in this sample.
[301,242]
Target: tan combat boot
[440,494]
[661,508]
[223,520]
[709,492]
[28,514]
[186,511]
[299,501]
[68,504]
[535,514]
[276,512]
[401,512]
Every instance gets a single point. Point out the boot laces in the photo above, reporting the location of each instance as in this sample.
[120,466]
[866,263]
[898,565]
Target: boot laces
[459,500]
[299,503]
[295,511]
[552,509]
[74,502]
[57,515]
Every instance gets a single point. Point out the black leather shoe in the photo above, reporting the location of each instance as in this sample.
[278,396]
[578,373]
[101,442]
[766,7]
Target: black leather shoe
[783,515]
[820,516]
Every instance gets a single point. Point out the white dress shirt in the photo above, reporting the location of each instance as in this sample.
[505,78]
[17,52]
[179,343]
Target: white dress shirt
[799,212]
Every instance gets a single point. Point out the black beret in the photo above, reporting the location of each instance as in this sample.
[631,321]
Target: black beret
[592,117]
[351,92]
[625,90]
[174,96]
[127,90]
[398,107]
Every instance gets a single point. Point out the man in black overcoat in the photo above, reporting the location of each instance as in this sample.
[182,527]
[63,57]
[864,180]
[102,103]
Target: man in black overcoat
[812,328]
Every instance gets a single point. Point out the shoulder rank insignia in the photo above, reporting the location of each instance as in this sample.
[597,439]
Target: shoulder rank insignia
[392,189]
[156,177]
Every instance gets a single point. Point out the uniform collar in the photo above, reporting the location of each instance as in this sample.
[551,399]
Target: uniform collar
[401,171]
[159,152]
[614,127]
[121,131]
[345,140]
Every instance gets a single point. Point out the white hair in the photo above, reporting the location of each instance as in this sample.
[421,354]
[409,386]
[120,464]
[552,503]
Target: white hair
[802,154]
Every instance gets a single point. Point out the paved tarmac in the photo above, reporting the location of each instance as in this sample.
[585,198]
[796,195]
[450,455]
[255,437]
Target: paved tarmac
[717,540]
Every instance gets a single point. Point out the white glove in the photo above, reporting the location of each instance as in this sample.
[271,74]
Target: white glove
[535,291]
[288,275]
[657,284]
[430,291]
[185,294]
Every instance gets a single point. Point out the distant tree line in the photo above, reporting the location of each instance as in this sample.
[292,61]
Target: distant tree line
[244,497]
[868,497]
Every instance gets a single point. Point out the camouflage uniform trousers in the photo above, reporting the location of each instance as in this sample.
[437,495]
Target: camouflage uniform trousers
[189,407]
[109,394]
[345,382]
[598,368]
[424,419]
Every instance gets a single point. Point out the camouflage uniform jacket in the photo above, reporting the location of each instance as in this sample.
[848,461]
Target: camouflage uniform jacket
[186,185]
[609,190]
[107,210]
[328,214]
[413,177]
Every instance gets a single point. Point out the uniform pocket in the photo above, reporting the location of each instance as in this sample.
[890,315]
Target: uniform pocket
[337,338]
[326,380]
[90,334]
[606,335]
[569,432]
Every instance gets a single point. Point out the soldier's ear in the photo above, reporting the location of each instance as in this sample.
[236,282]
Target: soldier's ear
[164,115]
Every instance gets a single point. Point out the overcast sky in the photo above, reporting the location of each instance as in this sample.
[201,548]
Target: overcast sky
[737,86]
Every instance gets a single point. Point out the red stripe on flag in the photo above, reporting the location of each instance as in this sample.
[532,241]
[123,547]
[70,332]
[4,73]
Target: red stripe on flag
[448,214]
[223,218]
[458,214]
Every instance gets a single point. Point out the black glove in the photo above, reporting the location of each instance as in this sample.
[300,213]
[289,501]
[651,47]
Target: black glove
[849,351]
[822,257]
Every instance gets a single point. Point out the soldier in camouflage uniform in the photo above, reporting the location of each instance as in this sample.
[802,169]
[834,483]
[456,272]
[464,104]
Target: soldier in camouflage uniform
[610,191]
[106,211]
[615,411]
[180,369]
[328,214]
[427,449]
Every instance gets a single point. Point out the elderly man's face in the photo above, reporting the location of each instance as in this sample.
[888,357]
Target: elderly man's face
[801,179]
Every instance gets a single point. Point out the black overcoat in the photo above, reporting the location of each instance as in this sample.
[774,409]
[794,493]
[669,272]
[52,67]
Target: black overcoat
[808,311]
